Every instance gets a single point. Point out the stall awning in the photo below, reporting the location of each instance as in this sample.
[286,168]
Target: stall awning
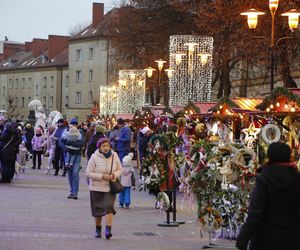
[247,104]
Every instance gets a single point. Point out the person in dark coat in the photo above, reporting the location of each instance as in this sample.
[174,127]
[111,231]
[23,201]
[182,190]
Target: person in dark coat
[143,140]
[2,120]
[58,161]
[10,140]
[124,139]
[273,221]
[92,145]
[88,136]
[28,134]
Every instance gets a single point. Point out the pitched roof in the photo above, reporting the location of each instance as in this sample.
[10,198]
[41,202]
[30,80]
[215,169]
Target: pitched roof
[25,60]
[101,30]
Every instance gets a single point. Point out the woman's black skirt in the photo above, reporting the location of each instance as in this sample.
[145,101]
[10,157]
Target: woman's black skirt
[102,203]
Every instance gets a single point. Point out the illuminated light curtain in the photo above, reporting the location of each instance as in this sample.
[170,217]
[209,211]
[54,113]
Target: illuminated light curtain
[191,80]
[108,100]
[131,94]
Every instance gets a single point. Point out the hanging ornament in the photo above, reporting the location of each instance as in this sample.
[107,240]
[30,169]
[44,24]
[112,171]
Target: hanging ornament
[251,135]
[270,133]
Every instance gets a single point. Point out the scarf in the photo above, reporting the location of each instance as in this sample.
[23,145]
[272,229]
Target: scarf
[107,155]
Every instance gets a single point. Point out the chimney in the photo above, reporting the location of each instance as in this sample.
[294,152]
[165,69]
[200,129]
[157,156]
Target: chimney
[28,46]
[98,13]
[38,46]
[10,49]
[56,45]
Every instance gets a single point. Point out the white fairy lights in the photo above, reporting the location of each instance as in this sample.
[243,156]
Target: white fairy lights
[131,90]
[108,100]
[191,60]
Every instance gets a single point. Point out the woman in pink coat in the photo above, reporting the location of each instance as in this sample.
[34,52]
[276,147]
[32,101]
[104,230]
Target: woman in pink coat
[104,166]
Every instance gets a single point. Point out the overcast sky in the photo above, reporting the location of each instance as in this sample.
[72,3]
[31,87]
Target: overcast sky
[22,20]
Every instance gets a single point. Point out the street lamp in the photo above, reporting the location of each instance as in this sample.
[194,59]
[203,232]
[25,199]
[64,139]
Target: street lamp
[293,19]
[160,66]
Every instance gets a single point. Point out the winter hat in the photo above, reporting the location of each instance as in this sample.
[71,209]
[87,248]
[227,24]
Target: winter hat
[145,130]
[120,121]
[127,159]
[101,141]
[100,129]
[279,152]
[74,121]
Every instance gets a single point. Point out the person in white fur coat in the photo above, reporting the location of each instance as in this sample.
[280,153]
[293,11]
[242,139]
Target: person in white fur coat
[126,181]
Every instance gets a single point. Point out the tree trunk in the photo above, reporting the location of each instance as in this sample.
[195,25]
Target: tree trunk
[284,69]
[225,84]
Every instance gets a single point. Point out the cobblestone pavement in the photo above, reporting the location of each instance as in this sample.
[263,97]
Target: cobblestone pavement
[35,214]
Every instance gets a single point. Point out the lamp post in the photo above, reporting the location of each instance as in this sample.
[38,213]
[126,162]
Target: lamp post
[293,20]
[149,73]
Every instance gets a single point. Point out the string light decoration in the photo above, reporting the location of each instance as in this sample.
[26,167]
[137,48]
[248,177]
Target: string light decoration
[108,100]
[131,90]
[191,60]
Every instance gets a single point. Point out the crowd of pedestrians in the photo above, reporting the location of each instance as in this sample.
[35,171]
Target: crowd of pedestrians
[273,220]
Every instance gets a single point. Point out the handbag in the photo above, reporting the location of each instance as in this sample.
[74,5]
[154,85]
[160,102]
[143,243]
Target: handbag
[115,186]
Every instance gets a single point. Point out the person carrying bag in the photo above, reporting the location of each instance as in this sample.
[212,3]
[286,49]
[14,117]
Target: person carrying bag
[103,170]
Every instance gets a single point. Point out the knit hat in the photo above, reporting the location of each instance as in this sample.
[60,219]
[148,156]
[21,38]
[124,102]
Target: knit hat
[279,152]
[100,129]
[145,130]
[120,121]
[127,159]
[101,141]
[74,121]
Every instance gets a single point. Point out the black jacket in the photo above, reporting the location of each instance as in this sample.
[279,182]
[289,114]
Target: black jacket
[274,214]
[143,144]
[11,139]
[93,144]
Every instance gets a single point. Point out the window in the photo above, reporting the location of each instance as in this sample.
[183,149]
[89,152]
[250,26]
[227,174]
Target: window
[90,97]
[16,83]
[23,101]
[52,82]
[67,101]
[78,76]
[4,90]
[10,83]
[78,55]
[91,53]
[36,90]
[23,83]
[16,101]
[29,99]
[51,101]
[91,75]
[45,82]
[44,100]
[67,81]
[29,82]
[78,97]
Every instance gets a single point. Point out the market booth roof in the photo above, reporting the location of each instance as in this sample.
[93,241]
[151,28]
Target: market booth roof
[247,104]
